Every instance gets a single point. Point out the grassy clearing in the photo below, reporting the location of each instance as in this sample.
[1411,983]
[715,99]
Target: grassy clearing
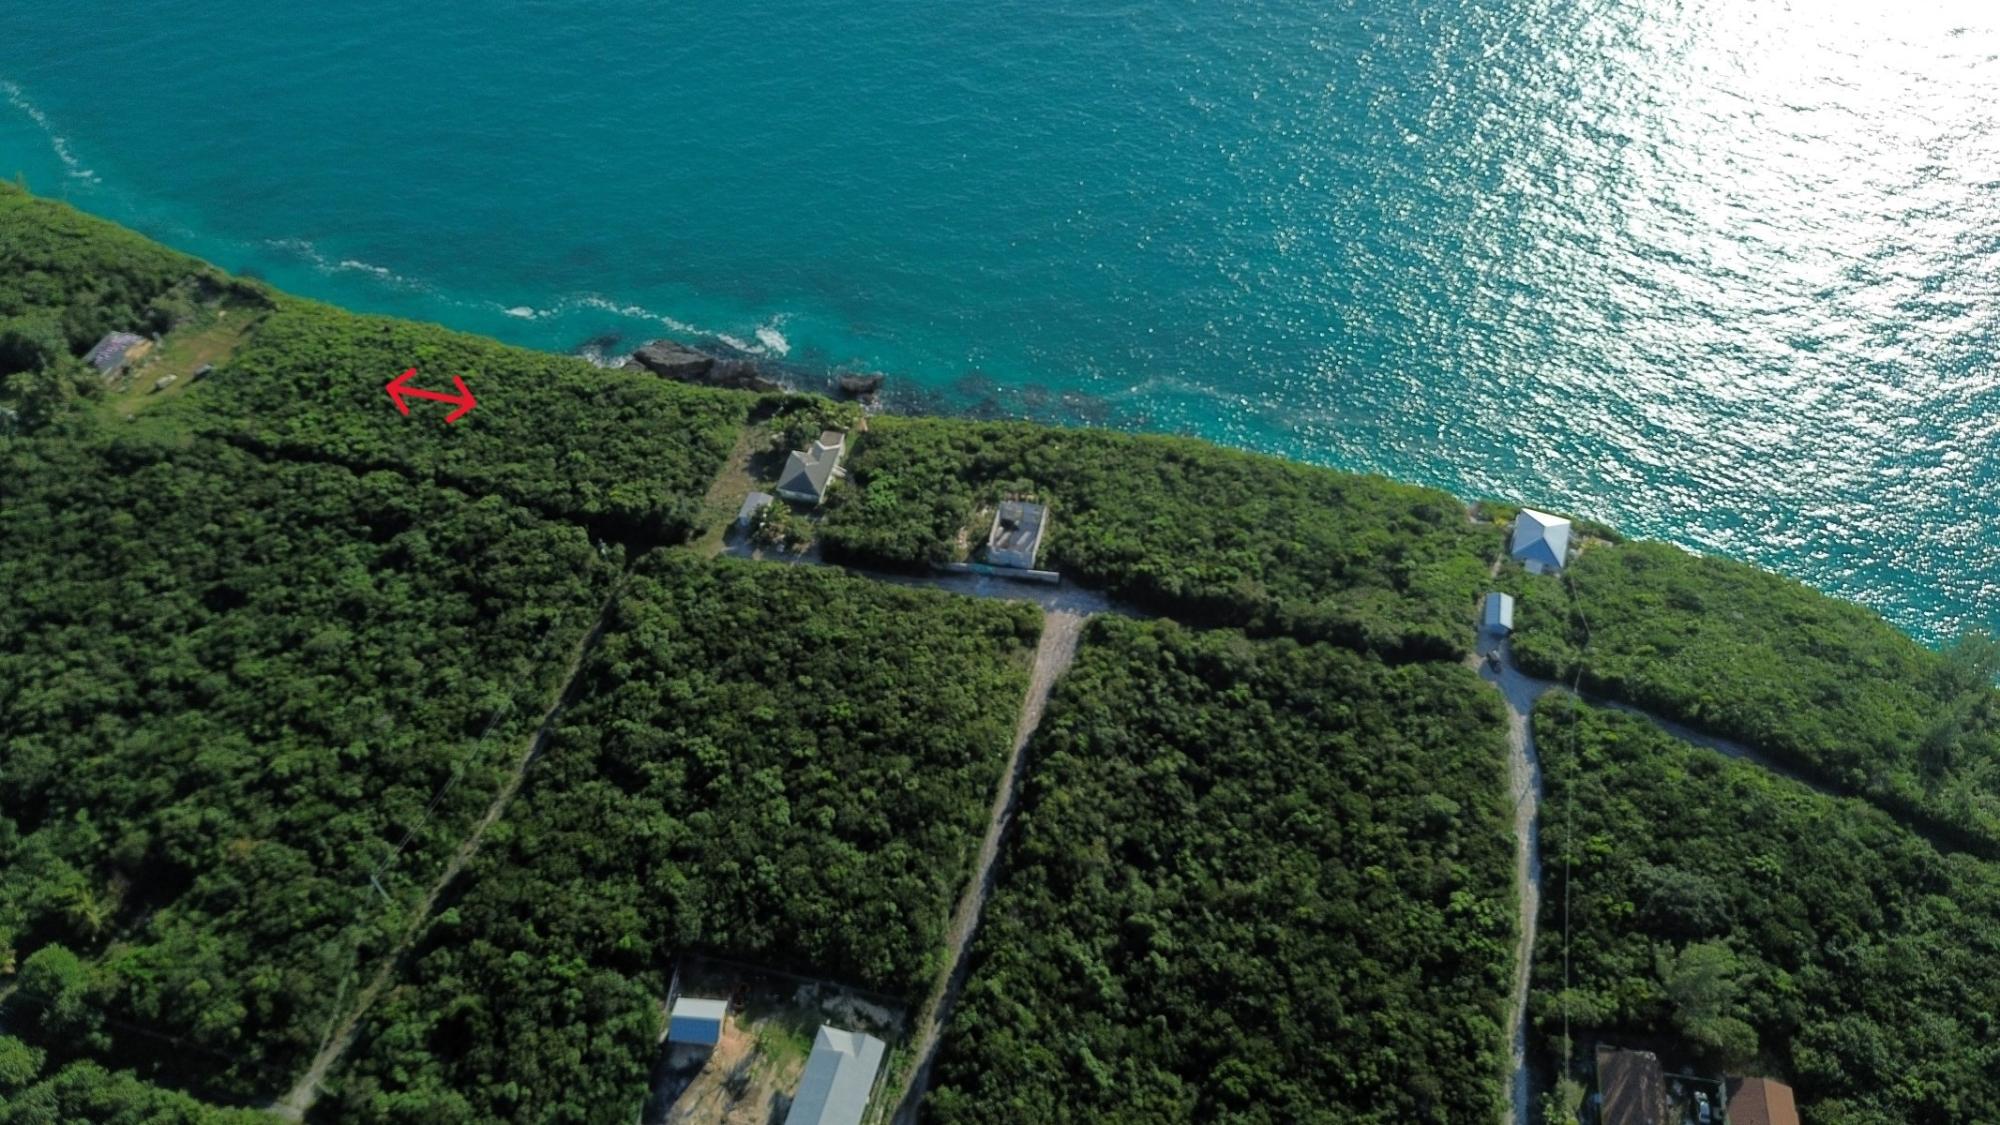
[211,337]
[744,471]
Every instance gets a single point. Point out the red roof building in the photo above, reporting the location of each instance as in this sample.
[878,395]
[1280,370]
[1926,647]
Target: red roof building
[1763,1101]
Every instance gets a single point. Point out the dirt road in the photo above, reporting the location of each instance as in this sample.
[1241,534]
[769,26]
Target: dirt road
[1060,630]
[297,1101]
[1524,777]
[1522,692]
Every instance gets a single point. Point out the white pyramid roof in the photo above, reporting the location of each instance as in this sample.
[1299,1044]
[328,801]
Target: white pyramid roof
[1540,538]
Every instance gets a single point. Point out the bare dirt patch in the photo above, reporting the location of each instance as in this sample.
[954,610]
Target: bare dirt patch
[752,1075]
[740,1082]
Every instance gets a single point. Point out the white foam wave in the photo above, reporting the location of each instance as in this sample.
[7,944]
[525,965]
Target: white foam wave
[772,340]
[19,100]
[356,265]
[636,312]
[304,248]
[522,312]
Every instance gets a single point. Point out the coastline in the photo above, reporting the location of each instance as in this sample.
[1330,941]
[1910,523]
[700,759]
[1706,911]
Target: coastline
[1247,557]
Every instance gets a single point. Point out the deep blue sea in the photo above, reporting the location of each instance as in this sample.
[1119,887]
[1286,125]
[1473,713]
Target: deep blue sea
[1725,272]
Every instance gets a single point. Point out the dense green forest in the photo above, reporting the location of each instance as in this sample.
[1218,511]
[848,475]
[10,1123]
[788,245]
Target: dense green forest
[86,1092]
[625,452]
[1746,654]
[1762,923]
[1253,881]
[229,688]
[1207,534]
[784,764]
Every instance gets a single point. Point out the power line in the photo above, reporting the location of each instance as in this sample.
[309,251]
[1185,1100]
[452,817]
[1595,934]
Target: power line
[1569,842]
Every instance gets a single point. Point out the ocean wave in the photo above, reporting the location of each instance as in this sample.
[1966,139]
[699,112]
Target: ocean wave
[597,355]
[636,312]
[772,340]
[306,250]
[356,265]
[19,100]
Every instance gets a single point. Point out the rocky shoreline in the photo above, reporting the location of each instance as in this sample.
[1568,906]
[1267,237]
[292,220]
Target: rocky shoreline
[713,366]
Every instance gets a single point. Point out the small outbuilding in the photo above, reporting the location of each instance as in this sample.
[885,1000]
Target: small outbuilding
[1498,616]
[840,1074]
[808,472]
[1763,1101]
[1541,541]
[109,352]
[697,1021]
[752,504]
[1633,1086]
[1017,532]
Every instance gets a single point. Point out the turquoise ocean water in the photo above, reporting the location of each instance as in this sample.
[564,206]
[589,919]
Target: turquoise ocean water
[1725,272]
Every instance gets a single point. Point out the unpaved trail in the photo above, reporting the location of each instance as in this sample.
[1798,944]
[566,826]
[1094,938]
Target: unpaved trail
[1522,692]
[1061,629]
[296,1102]
[1524,775]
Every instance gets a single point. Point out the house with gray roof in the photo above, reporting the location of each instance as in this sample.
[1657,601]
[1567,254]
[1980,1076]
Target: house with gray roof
[1016,537]
[1541,541]
[839,1076]
[808,472]
[109,352]
[1499,615]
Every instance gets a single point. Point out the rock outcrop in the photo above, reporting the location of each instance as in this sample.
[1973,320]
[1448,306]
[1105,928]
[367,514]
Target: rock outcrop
[672,360]
[863,387]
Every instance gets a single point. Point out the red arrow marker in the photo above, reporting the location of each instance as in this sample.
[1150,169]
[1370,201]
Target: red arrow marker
[398,388]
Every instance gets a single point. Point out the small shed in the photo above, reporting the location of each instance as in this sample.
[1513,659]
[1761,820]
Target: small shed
[1763,1101]
[752,504]
[1499,613]
[840,1074]
[1541,541]
[808,472]
[1633,1086]
[697,1021]
[1017,532]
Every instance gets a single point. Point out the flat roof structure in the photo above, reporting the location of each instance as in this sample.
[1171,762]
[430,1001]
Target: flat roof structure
[752,504]
[1016,537]
[696,1020]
